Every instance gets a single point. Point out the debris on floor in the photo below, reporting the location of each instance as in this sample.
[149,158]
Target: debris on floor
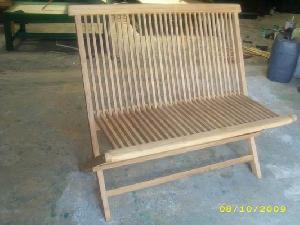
[252,51]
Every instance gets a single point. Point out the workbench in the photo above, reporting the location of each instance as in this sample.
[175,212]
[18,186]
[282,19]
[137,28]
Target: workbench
[23,13]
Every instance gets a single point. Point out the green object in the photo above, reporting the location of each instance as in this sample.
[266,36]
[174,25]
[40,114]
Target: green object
[36,12]
[296,34]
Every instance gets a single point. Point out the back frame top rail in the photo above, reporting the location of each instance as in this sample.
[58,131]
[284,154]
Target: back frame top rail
[75,10]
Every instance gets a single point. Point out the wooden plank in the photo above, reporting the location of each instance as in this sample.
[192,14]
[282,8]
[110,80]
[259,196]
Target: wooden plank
[151,8]
[87,87]
[240,56]
[196,139]
[104,196]
[131,128]
[143,127]
[169,130]
[109,131]
[99,162]
[176,176]
[255,166]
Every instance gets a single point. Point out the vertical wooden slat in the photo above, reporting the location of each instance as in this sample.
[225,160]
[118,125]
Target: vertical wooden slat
[214,74]
[240,59]
[137,58]
[162,73]
[191,56]
[218,72]
[132,64]
[224,52]
[206,46]
[173,41]
[90,59]
[196,75]
[87,87]
[103,59]
[167,58]
[181,86]
[101,100]
[202,59]
[124,48]
[229,54]
[151,92]
[235,60]
[144,59]
[186,74]
[116,79]
[155,59]
[120,43]
[220,55]
[111,73]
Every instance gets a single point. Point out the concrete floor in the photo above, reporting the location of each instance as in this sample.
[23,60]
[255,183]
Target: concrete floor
[44,139]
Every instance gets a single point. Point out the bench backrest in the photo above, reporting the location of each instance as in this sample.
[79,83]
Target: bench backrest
[135,56]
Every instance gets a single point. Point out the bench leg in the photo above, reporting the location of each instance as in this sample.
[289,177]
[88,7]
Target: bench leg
[8,34]
[23,27]
[104,198]
[255,166]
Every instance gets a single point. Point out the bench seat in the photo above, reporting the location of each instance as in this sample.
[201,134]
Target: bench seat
[136,133]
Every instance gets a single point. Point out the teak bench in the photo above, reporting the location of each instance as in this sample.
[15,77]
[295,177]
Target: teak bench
[162,80]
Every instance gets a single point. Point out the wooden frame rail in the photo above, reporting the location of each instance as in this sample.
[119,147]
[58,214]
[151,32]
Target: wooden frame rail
[176,176]
[99,162]
[75,10]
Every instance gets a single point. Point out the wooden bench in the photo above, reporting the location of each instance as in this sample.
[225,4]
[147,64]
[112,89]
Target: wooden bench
[162,80]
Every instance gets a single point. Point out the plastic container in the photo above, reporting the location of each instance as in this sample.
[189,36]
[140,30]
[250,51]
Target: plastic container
[283,60]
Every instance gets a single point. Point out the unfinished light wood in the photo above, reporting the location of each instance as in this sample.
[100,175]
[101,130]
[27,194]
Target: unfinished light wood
[194,139]
[176,176]
[99,163]
[138,59]
[163,80]
[103,194]
[255,165]
[150,8]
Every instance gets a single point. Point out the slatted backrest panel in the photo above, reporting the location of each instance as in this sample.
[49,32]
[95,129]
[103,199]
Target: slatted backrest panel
[135,56]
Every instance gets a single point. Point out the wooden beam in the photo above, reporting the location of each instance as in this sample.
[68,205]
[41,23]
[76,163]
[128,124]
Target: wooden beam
[255,165]
[176,176]
[99,162]
[104,197]
[151,8]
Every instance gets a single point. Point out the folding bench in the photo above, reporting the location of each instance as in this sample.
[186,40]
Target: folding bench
[163,80]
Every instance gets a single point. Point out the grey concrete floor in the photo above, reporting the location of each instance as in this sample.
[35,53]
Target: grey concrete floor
[44,138]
